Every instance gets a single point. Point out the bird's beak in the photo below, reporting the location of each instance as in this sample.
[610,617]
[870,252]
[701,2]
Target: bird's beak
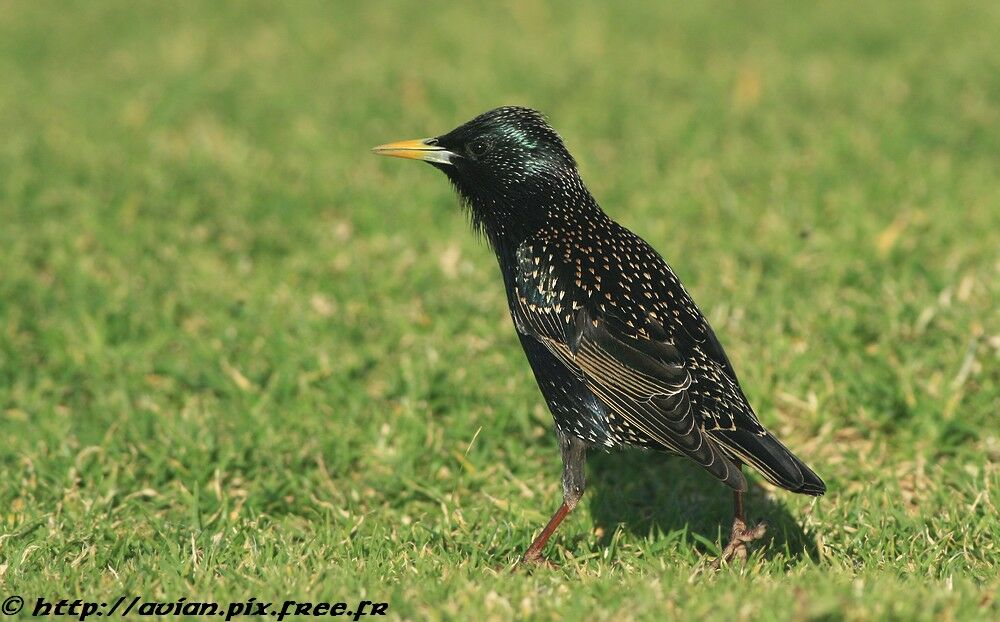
[424,149]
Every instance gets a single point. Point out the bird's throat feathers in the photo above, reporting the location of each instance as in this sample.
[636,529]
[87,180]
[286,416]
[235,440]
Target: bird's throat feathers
[506,218]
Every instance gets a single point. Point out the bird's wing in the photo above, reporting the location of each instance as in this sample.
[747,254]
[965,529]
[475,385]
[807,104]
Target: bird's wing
[725,414]
[644,381]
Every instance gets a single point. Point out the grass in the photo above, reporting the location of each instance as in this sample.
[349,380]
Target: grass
[239,356]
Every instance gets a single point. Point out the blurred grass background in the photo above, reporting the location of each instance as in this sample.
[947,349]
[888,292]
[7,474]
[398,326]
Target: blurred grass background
[240,356]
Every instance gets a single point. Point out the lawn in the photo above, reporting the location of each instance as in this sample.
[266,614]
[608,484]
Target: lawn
[242,357]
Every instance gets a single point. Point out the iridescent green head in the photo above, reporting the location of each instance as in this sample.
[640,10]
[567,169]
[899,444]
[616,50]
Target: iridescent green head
[508,165]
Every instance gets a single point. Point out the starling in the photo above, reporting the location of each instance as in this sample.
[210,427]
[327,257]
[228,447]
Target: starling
[622,355]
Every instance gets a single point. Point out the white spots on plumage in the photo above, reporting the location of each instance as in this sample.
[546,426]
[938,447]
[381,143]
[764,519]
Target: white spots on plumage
[594,264]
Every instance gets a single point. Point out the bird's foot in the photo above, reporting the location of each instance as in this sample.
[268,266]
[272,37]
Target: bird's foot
[534,559]
[740,536]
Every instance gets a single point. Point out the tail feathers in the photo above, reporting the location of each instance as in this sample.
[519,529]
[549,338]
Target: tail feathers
[773,460]
[730,474]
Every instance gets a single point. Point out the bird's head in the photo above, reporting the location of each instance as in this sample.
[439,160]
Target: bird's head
[508,165]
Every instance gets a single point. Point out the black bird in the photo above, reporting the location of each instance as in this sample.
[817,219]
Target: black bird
[619,350]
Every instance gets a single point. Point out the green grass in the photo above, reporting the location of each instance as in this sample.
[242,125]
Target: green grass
[240,356]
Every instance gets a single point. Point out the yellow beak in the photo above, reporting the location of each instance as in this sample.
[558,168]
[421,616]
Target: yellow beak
[416,149]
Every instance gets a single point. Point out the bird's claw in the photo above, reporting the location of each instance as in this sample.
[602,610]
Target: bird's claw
[534,559]
[739,537]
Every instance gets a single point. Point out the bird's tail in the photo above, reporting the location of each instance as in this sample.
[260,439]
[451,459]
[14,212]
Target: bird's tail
[773,460]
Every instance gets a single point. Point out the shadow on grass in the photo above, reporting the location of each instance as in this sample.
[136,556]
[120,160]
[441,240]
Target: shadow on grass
[653,493]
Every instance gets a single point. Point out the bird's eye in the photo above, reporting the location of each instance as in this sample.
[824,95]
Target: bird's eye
[479,147]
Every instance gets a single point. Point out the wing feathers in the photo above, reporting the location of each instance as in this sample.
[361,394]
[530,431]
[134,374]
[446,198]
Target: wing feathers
[637,369]
[642,382]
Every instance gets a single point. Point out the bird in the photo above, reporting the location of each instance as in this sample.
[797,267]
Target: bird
[622,355]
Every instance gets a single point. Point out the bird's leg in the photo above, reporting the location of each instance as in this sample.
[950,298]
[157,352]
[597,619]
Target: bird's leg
[740,535]
[574,456]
